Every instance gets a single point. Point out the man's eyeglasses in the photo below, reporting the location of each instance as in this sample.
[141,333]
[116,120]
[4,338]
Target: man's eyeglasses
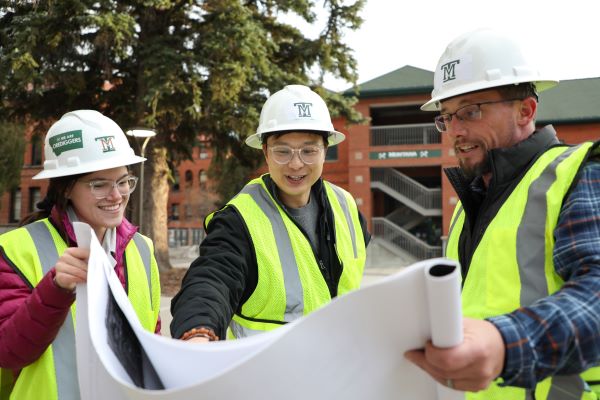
[471,112]
[283,154]
[101,188]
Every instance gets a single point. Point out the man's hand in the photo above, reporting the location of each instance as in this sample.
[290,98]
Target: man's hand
[71,268]
[472,365]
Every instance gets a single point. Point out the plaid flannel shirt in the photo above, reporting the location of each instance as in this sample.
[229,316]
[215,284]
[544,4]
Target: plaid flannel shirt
[560,334]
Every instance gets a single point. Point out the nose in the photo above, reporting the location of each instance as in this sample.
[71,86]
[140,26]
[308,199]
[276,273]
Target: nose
[455,128]
[114,193]
[296,162]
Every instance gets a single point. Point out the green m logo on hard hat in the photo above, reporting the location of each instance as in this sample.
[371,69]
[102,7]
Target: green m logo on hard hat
[303,109]
[449,70]
[107,144]
[66,141]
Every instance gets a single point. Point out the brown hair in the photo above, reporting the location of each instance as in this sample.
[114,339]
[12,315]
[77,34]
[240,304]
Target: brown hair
[520,91]
[55,196]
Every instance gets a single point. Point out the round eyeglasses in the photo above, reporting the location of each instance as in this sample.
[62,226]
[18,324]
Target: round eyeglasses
[308,154]
[101,188]
[471,112]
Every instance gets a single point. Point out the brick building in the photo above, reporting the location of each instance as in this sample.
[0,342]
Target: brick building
[393,164]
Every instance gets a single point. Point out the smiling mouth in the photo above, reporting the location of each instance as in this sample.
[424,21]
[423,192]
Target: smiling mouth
[295,178]
[113,207]
[465,148]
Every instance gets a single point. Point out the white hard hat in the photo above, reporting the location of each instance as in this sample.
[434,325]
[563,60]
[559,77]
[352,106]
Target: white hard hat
[294,108]
[85,141]
[479,60]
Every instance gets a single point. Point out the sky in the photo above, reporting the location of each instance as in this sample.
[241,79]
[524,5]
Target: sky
[562,36]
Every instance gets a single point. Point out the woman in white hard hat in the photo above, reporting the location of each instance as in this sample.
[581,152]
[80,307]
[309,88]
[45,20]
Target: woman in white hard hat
[86,159]
[287,244]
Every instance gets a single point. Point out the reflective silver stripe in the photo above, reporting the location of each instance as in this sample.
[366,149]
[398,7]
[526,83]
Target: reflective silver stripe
[240,331]
[63,346]
[531,236]
[294,295]
[144,251]
[460,210]
[531,247]
[566,387]
[344,204]
[44,244]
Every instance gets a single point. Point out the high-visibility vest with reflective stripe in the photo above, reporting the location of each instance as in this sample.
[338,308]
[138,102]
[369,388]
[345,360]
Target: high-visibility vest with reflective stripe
[34,250]
[513,266]
[290,282]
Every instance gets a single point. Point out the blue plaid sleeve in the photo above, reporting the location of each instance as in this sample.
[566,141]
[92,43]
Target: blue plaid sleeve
[560,334]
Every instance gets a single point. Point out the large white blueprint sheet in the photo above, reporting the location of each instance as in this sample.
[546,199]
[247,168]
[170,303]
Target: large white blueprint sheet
[350,349]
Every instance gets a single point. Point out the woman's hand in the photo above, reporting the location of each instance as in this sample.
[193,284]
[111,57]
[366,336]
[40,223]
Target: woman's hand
[71,268]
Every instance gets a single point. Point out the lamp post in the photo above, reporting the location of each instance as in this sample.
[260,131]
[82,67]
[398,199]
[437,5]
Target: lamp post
[146,134]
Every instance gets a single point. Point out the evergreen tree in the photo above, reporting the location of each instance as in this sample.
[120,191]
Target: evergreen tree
[180,67]
[12,145]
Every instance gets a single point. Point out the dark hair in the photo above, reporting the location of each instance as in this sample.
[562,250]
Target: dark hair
[520,91]
[55,196]
[276,134]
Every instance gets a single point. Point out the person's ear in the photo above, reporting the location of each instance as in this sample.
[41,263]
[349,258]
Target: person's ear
[264,149]
[527,111]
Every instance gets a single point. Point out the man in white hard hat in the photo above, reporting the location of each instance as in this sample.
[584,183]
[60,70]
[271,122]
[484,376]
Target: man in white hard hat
[526,232]
[285,245]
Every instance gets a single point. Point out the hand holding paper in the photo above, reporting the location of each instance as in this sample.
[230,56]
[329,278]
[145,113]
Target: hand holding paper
[472,365]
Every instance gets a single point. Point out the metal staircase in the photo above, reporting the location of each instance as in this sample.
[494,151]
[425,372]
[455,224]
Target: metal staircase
[397,236]
[394,228]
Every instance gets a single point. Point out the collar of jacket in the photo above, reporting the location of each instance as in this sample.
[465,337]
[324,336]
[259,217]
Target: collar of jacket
[61,222]
[510,162]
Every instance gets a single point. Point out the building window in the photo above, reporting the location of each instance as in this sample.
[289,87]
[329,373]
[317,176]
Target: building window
[35,196]
[189,178]
[188,211]
[36,150]
[332,153]
[197,235]
[175,181]
[203,154]
[203,178]
[178,237]
[15,205]
[175,212]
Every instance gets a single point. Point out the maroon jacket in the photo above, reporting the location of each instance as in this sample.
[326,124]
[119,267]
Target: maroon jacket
[30,319]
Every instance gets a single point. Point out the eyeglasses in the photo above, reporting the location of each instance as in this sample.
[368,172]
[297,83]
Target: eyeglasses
[471,112]
[101,188]
[308,154]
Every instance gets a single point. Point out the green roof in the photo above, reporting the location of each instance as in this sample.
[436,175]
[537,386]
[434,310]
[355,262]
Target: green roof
[405,80]
[572,101]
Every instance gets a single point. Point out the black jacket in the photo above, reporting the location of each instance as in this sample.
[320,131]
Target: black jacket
[481,205]
[222,279]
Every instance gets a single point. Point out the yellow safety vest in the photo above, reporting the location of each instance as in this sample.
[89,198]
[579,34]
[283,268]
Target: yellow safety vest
[290,283]
[513,266]
[34,250]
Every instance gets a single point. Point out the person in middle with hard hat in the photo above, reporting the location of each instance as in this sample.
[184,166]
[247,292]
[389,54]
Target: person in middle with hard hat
[285,245]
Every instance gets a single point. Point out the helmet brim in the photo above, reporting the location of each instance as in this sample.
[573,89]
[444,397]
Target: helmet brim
[435,103]
[89,167]
[255,140]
